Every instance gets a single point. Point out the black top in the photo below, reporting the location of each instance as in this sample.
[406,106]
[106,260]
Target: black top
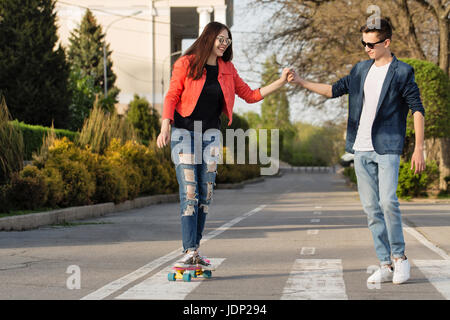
[209,104]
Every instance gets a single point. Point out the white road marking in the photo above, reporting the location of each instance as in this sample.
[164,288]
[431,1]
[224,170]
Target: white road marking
[426,242]
[158,287]
[309,251]
[318,207]
[116,285]
[438,273]
[315,279]
[312,232]
[315,220]
[318,212]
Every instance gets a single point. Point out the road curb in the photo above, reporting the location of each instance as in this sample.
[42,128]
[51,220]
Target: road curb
[239,185]
[59,216]
[35,220]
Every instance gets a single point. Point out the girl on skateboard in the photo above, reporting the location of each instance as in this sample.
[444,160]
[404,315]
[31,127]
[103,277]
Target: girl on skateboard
[203,85]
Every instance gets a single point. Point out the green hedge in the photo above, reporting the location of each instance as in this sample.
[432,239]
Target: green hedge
[74,176]
[434,86]
[409,184]
[33,136]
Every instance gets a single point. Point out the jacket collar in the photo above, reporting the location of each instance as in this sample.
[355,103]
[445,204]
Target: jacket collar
[224,67]
[386,83]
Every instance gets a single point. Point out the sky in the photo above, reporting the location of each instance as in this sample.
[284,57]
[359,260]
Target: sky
[248,22]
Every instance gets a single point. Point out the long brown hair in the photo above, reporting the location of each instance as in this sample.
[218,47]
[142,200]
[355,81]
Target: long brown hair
[202,47]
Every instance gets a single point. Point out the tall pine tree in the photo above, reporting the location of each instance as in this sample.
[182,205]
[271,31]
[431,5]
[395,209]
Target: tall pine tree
[86,54]
[33,71]
[275,107]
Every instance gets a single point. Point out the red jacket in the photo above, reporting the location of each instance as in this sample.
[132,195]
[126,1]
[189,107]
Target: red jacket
[184,92]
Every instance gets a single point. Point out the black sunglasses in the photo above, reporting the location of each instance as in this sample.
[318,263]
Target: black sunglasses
[371,45]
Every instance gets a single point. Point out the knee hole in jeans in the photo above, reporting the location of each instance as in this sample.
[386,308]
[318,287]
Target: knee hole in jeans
[186,158]
[210,191]
[205,208]
[189,211]
[212,167]
[189,175]
[190,192]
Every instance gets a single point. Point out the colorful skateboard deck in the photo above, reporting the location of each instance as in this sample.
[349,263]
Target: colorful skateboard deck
[186,274]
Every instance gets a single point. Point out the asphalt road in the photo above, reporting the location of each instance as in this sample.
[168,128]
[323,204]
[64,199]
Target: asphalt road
[300,236]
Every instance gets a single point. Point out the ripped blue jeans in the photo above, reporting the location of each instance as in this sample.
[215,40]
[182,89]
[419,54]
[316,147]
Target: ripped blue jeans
[195,157]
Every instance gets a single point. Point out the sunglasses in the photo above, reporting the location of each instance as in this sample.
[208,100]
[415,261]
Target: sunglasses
[223,40]
[371,45]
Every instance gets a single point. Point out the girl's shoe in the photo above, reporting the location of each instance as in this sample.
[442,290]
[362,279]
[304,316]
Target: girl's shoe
[189,260]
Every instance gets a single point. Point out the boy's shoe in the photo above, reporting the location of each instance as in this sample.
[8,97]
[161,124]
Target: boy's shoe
[384,274]
[402,270]
[189,260]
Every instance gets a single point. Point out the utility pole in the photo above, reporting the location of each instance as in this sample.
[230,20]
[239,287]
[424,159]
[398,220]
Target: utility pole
[153,55]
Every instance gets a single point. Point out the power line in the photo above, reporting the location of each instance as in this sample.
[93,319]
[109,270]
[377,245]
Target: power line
[115,28]
[120,15]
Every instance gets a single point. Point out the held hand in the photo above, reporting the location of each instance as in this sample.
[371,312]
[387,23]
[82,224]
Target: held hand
[417,161]
[294,78]
[284,74]
[163,137]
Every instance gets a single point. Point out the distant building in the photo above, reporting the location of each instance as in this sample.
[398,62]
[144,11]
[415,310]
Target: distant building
[159,28]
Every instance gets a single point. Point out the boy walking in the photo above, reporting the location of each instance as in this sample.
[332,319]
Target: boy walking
[381,92]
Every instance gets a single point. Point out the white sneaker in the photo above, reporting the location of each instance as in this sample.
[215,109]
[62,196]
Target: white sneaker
[187,261]
[384,274]
[402,270]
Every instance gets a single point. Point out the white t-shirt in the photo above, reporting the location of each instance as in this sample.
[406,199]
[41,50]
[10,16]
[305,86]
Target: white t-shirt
[372,90]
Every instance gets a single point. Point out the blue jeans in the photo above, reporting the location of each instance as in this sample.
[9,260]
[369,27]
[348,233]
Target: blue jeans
[377,177]
[195,157]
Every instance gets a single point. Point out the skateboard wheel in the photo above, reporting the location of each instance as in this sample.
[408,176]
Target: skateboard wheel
[207,274]
[187,277]
[171,276]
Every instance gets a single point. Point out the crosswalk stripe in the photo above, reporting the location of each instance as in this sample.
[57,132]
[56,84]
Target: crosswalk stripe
[438,273]
[425,241]
[159,287]
[315,279]
[118,284]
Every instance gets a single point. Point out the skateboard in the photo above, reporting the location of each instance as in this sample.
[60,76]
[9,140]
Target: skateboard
[186,274]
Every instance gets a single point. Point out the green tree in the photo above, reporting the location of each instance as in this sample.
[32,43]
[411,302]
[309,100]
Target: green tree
[83,97]
[275,107]
[434,87]
[86,54]
[254,119]
[33,69]
[145,119]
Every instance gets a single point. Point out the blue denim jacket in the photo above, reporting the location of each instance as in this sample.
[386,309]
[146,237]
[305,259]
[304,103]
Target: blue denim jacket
[398,94]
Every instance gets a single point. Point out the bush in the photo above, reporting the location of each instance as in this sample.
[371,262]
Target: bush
[144,118]
[76,167]
[33,136]
[350,173]
[28,189]
[233,173]
[111,185]
[157,172]
[434,87]
[11,145]
[5,198]
[415,185]
[55,187]
[101,127]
